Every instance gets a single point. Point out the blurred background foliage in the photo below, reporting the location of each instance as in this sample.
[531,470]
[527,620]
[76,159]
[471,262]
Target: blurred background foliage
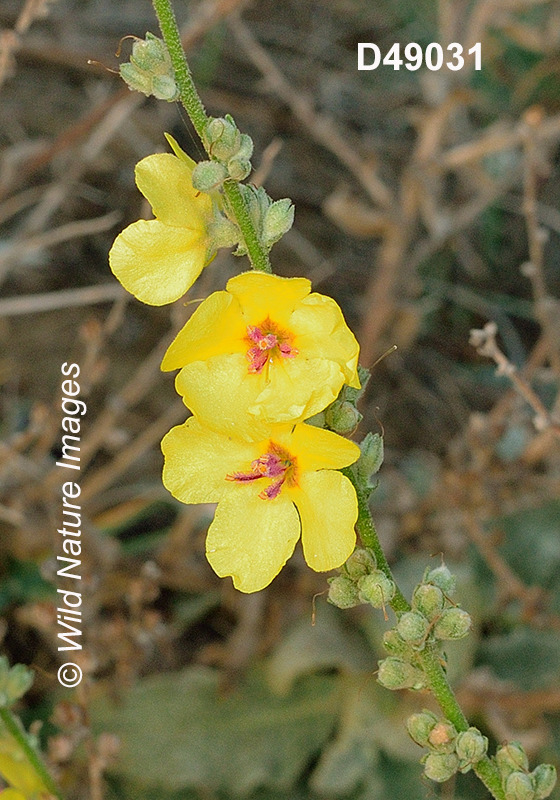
[428,203]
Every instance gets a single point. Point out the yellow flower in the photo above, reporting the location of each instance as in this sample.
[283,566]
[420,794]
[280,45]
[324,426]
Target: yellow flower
[12,794]
[17,770]
[268,492]
[157,260]
[263,351]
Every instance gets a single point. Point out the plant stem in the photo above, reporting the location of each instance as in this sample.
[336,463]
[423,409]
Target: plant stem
[257,254]
[440,687]
[369,537]
[183,77]
[190,98]
[16,733]
[431,662]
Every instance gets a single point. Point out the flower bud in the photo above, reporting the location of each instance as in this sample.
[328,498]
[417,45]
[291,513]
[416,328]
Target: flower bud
[19,680]
[278,219]
[150,70]
[222,233]
[238,168]
[222,138]
[245,148]
[396,674]
[442,577]
[511,757]
[395,646]
[343,592]
[519,786]
[544,780]
[428,600]
[136,80]
[317,420]
[352,393]
[370,459]
[360,563]
[14,682]
[150,55]
[454,623]
[207,175]
[471,746]
[413,627]
[442,736]
[440,767]
[165,88]
[419,726]
[376,589]
[342,417]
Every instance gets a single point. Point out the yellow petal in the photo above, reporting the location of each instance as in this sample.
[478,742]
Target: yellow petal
[179,152]
[261,295]
[11,794]
[328,509]
[18,771]
[155,262]
[165,181]
[251,539]
[216,327]
[323,332]
[197,461]
[219,391]
[297,388]
[317,449]
[224,395]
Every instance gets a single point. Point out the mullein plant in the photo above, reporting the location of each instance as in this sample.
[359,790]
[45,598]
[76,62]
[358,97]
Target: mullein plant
[269,370]
[21,765]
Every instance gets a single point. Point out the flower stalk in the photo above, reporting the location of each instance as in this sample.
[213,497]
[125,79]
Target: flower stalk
[271,452]
[190,99]
[188,93]
[430,658]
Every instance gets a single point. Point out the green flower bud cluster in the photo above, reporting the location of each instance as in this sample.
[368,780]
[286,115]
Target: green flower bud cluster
[403,662]
[432,618]
[230,153]
[360,582]
[449,751]
[14,682]
[271,218]
[150,70]
[517,782]
[226,144]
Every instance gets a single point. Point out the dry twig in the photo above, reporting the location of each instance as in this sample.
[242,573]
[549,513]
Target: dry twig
[485,342]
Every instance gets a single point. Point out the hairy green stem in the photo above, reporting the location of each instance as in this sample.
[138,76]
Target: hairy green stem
[190,98]
[369,537]
[440,687]
[257,253]
[431,662]
[183,77]
[16,733]
[488,773]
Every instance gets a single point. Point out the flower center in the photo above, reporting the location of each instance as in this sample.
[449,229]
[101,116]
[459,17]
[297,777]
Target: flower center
[268,340]
[277,464]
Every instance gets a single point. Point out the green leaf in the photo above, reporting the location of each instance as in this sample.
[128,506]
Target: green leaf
[178,733]
[532,544]
[327,644]
[351,759]
[526,656]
